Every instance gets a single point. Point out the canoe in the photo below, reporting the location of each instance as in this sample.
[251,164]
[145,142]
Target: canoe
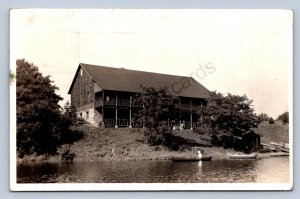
[241,156]
[267,146]
[191,159]
[279,154]
[285,147]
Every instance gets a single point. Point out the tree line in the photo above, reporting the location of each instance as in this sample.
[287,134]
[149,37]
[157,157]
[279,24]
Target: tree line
[284,118]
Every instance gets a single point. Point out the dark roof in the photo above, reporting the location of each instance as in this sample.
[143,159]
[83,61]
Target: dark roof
[120,79]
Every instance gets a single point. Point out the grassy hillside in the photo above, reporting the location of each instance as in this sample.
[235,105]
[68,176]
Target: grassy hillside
[273,132]
[116,144]
[124,144]
[129,144]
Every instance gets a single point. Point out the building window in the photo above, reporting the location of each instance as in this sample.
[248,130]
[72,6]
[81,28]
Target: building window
[81,72]
[80,115]
[87,115]
[107,98]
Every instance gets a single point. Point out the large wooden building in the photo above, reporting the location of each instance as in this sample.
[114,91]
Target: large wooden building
[105,95]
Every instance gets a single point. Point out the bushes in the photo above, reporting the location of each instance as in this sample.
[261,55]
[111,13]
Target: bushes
[65,153]
[203,130]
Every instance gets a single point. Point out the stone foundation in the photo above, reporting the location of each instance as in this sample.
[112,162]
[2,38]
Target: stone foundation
[91,115]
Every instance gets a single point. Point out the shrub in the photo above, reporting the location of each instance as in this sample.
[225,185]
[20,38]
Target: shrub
[203,130]
[65,153]
[271,121]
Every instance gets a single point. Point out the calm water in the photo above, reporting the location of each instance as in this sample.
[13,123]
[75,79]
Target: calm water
[275,170]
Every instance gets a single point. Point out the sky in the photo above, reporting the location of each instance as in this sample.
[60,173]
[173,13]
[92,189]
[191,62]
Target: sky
[231,51]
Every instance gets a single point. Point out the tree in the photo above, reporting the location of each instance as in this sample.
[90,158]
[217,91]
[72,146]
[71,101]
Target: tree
[284,117]
[271,121]
[263,117]
[158,108]
[39,121]
[69,112]
[229,115]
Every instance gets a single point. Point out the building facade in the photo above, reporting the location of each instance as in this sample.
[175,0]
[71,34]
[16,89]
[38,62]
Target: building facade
[106,96]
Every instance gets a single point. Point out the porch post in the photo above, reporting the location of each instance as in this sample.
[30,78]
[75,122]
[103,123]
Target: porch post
[201,118]
[168,122]
[116,126]
[180,116]
[143,122]
[130,126]
[191,114]
[103,108]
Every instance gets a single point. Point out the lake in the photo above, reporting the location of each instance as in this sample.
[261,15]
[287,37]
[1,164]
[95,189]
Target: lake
[269,170]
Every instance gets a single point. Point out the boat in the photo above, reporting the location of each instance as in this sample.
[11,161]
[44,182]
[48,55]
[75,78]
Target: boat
[191,159]
[279,154]
[268,147]
[286,145]
[241,156]
[282,147]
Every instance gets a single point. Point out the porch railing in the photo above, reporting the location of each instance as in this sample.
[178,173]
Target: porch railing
[185,125]
[112,122]
[123,122]
[112,102]
[124,102]
[188,106]
[109,122]
[138,124]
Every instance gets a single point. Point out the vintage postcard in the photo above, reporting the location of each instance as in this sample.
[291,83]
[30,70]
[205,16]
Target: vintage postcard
[151,99]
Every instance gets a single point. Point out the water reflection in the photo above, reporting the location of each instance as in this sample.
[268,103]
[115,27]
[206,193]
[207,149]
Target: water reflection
[200,165]
[267,170]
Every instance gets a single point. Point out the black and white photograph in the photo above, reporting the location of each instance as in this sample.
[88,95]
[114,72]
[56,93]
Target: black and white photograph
[151,99]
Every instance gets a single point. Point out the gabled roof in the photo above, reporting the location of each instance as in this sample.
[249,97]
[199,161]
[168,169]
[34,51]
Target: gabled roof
[120,79]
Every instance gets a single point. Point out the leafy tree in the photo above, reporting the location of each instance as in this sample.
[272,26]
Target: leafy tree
[158,108]
[39,119]
[228,116]
[69,112]
[263,117]
[271,121]
[68,125]
[284,117]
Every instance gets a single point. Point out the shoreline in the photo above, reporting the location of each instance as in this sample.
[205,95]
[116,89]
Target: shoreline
[131,144]
[216,153]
